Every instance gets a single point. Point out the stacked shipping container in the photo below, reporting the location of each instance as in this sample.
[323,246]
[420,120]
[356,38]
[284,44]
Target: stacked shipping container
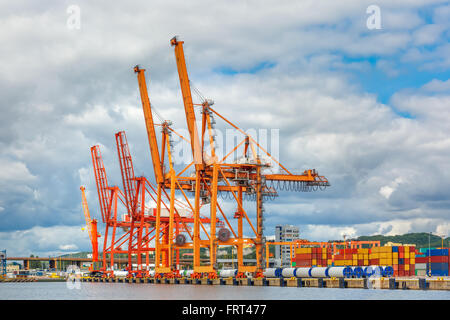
[312,257]
[352,257]
[434,262]
[400,258]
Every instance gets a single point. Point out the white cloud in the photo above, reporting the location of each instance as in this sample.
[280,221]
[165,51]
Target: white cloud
[428,34]
[386,191]
[68,247]
[14,171]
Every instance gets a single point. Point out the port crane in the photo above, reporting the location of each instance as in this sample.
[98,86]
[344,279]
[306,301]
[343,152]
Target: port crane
[91,226]
[237,180]
[132,233]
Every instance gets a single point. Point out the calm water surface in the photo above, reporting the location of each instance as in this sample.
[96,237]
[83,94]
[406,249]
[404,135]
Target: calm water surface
[145,291]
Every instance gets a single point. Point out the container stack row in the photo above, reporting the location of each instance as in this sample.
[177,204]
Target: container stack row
[432,262]
[308,257]
[400,258]
[351,257]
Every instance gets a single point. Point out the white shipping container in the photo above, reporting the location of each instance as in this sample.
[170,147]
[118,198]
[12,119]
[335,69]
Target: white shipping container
[421,266]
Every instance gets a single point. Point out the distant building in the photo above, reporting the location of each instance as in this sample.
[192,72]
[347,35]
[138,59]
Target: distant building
[12,267]
[283,253]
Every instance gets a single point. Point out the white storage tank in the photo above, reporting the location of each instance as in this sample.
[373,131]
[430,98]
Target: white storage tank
[288,272]
[337,272]
[302,272]
[272,272]
[318,272]
[120,273]
[228,273]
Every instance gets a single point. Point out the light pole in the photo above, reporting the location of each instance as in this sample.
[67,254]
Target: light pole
[442,238]
[345,244]
[429,254]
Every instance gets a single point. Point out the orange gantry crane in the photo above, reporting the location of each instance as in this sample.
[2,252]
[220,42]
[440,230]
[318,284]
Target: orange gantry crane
[132,232]
[239,180]
[91,226]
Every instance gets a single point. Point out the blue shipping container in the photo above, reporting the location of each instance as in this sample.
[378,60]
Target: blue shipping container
[440,273]
[394,249]
[439,266]
[436,252]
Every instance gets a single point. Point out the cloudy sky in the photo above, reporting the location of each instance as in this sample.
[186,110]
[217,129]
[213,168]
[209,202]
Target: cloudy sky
[368,108]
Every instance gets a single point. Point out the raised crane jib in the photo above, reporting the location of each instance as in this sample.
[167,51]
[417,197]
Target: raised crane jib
[187,100]
[150,126]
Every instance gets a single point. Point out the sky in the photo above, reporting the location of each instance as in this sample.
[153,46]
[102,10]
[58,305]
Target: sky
[368,108]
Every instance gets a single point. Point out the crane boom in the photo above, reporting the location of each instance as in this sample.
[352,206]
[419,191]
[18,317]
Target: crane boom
[127,170]
[101,181]
[146,106]
[91,225]
[187,100]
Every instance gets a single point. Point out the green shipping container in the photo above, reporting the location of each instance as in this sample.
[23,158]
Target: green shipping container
[423,250]
[294,264]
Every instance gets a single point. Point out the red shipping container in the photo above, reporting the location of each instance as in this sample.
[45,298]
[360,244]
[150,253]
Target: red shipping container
[401,273]
[401,254]
[395,267]
[303,263]
[421,259]
[439,259]
[412,249]
[401,267]
[401,249]
[406,260]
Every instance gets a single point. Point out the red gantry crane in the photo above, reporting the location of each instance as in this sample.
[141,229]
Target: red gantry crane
[132,233]
[237,180]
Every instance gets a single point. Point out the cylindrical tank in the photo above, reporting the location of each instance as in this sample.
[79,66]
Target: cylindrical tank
[318,272]
[272,272]
[373,271]
[339,272]
[358,272]
[288,272]
[302,272]
[120,273]
[348,272]
[388,271]
[228,273]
